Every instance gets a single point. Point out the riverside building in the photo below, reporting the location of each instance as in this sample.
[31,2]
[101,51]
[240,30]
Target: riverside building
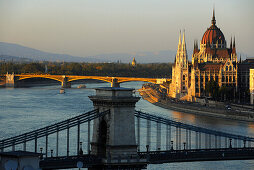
[212,61]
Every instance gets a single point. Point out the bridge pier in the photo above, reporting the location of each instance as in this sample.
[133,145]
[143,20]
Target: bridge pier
[115,83]
[10,80]
[114,134]
[66,83]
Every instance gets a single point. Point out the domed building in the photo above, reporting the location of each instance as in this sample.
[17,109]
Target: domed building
[213,47]
[212,61]
[134,63]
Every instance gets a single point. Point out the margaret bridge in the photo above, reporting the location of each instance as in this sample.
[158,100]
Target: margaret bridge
[12,80]
[115,135]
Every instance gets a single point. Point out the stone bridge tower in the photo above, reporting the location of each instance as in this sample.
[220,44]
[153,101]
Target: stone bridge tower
[10,80]
[114,134]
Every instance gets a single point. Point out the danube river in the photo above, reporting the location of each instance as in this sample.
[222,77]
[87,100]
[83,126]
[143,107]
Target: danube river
[26,109]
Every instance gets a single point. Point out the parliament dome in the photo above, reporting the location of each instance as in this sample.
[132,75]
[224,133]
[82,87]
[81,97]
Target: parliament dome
[213,34]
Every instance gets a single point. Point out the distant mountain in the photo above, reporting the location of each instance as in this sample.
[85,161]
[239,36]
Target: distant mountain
[8,49]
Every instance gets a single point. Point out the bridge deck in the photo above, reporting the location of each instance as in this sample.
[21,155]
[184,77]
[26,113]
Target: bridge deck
[70,78]
[159,157]
[155,157]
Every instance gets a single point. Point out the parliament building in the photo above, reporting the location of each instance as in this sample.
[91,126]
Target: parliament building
[214,60]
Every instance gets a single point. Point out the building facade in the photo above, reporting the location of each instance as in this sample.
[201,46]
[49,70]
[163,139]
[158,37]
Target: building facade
[213,61]
[251,84]
[180,71]
[244,79]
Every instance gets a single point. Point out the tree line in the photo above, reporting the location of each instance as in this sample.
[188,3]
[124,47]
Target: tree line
[90,69]
[225,93]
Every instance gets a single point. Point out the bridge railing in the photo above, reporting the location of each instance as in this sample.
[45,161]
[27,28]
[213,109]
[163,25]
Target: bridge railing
[53,129]
[190,135]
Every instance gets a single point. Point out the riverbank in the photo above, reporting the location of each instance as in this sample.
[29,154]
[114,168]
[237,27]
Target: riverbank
[153,96]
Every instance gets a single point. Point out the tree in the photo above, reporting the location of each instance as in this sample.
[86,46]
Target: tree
[33,68]
[212,88]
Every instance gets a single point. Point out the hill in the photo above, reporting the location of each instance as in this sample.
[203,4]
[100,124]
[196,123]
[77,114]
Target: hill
[9,49]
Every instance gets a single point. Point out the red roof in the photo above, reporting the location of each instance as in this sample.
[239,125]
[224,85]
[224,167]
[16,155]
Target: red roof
[210,66]
[218,53]
[212,35]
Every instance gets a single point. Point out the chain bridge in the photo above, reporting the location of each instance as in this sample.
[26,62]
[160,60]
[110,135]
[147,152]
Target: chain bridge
[115,135]
[12,79]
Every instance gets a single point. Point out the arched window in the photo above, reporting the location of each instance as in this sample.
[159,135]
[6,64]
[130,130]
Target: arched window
[230,68]
[183,77]
[226,68]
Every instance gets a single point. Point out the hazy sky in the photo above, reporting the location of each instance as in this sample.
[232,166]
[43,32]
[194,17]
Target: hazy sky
[90,27]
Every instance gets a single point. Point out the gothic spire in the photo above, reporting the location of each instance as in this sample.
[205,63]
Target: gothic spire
[213,18]
[183,42]
[179,44]
[179,39]
[195,50]
[234,42]
[231,43]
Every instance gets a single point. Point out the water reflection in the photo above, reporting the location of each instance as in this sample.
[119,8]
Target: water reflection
[184,117]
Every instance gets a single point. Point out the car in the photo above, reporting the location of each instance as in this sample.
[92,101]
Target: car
[228,107]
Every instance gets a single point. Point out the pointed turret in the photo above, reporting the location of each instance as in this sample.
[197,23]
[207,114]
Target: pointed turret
[179,38]
[233,49]
[195,50]
[184,52]
[179,44]
[240,58]
[183,43]
[234,42]
[231,43]
[213,18]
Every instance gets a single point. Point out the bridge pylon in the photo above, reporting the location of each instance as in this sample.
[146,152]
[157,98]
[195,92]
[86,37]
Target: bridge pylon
[114,133]
[114,83]
[66,83]
[10,80]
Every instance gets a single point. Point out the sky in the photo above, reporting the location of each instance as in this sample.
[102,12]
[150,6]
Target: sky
[92,27]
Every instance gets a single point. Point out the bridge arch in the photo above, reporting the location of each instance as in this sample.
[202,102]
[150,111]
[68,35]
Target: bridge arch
[20,79]
[59,78]
[70,79]
[148,81]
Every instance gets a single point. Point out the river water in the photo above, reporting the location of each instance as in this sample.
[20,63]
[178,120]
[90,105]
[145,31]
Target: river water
[26,109]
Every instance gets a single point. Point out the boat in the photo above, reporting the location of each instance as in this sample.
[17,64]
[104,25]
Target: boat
[81,86]
[62,91]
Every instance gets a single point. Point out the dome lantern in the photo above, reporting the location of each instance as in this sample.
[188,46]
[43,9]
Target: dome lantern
[213,35]
[213,19]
